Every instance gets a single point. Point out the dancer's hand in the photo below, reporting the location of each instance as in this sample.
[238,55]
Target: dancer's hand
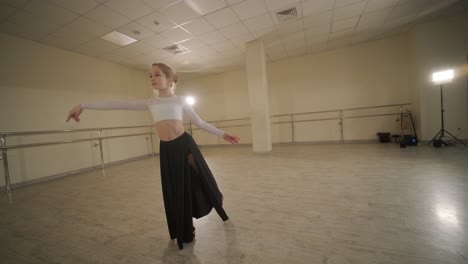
[230,138]
[75,113]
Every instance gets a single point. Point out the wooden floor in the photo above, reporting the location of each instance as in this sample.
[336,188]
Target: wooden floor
[314,203]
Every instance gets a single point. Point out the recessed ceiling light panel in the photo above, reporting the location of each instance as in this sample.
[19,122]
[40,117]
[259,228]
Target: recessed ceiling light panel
[118,38]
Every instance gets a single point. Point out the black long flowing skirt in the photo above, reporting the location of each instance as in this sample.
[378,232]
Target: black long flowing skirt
[187,192]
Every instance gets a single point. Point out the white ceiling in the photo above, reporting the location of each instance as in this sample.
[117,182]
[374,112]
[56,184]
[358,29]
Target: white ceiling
[215,31]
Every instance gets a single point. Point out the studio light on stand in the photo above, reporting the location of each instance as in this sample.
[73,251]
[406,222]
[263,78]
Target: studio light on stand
[191,101]
[440,78]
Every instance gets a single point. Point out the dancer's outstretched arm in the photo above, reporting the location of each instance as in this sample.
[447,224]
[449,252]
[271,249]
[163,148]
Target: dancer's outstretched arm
[112,105]
[208,127]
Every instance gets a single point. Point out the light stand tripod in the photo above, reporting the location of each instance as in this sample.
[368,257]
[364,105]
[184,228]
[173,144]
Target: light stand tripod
[439,136]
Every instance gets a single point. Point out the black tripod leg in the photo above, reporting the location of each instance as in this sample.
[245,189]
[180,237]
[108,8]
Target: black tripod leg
[454,137]
[434,137]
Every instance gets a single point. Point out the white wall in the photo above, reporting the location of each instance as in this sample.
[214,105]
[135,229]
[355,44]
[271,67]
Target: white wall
[40,84]
[435,46]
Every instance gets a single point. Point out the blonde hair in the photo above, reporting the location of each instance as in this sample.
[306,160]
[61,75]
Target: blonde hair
[168,71]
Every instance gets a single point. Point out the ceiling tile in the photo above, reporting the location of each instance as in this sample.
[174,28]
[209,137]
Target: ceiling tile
[349,11]
[377,17]
[144,59]
[296,51]
[156,22]
[274,5]
[341,3]
[317,41]
[275,42]
[158,4]
[204,7]
[222,18]
[176,34]
[132,9]
[139,47]
[341,34]
[107,17]
[258,23]
[130,50]
[316,47]
[294,38]
[240,41]
[234,30]
[344,24]
[158,41]
[90,27]
[394,22]
[408,8]
[339,43]
[373,5]
[207,51]
[223,45]
[135,31]
[367,29]
[80,7]
[317,20]
[212,37]
[313,7]
[290,27]
[317,31]
[101,45]
[312,40]
[233,2]
[50,13]
[267,34]
[198,26]
[159,54]
[179,12]
[193,44]
[249,8]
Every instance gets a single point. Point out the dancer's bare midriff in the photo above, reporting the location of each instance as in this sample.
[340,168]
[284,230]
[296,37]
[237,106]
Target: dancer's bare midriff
[169,129]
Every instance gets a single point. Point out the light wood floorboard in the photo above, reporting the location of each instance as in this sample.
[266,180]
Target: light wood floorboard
[303,203]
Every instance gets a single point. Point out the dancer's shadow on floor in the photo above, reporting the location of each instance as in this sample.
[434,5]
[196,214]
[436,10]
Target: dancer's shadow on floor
[233,254]
[172,254]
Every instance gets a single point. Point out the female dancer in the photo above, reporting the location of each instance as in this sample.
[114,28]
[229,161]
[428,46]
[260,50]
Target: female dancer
[189,188]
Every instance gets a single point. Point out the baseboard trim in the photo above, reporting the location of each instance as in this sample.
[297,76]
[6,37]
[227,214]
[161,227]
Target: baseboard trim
[74,172]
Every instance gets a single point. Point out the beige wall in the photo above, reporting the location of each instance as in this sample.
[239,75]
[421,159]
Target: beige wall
[372,74]
[389,71]
[38,86]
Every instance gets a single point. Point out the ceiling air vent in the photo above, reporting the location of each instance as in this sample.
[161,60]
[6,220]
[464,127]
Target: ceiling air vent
[176,49]
[286,15]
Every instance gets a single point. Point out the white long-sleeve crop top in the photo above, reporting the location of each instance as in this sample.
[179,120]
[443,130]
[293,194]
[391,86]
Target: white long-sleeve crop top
[161,108]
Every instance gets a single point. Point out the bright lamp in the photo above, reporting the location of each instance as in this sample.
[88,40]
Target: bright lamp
[442,76]
[190,100]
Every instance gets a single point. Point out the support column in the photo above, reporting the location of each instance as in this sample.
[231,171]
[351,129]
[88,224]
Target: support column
[258,96]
